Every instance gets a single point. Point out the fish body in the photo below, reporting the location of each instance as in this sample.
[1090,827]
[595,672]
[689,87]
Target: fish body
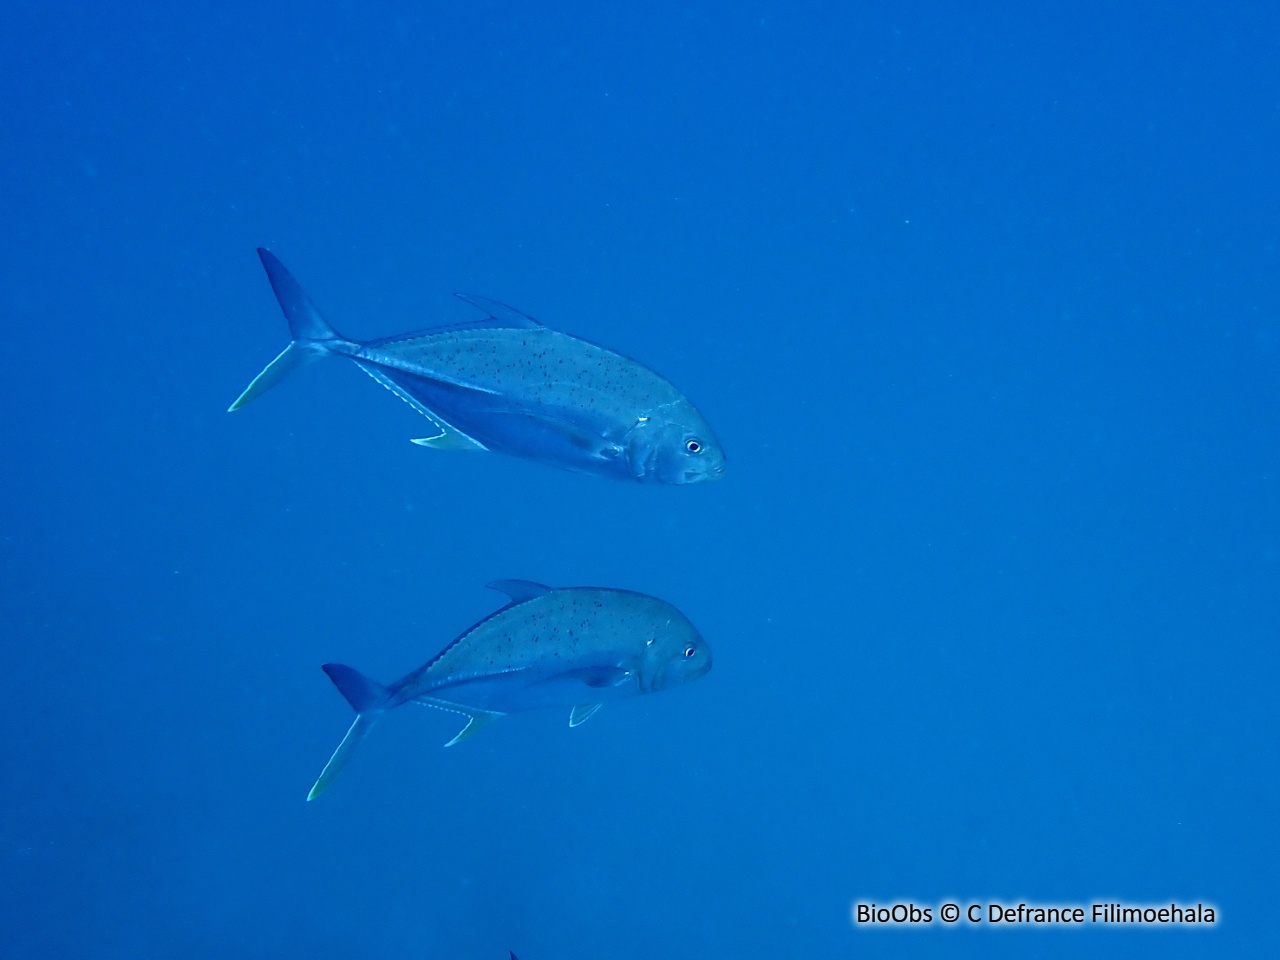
[511,385]
[574,647]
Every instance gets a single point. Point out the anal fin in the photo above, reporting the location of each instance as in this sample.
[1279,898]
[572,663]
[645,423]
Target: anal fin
[449,439]
[582,713]
[477,723]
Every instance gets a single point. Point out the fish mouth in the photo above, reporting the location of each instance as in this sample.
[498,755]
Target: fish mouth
[704,668]
[704,473]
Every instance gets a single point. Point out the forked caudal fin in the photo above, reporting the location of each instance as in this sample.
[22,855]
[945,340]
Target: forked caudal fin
[370,700]
[313,338]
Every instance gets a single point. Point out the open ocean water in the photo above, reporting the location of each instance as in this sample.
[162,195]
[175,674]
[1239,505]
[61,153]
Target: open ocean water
[983,301]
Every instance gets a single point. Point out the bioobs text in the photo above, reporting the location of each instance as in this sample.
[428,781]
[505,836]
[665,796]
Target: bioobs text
[894,913]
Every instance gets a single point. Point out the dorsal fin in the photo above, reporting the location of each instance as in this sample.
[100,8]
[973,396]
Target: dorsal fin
[500,317]
[502,314]
[488,323]
[519,590]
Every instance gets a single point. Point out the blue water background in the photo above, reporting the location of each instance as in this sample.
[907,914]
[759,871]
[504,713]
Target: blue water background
[983,302]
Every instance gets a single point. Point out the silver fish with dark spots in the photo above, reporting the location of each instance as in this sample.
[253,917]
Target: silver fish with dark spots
[509,384]
[572,647]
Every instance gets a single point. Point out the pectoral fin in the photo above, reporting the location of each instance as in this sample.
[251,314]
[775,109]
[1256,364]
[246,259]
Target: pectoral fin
[598,677]
[582,713]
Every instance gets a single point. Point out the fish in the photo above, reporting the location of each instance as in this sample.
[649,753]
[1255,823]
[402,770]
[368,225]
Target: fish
[509,384]
[571,646]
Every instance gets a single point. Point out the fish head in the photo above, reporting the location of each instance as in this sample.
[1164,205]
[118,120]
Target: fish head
[674,445]
[675,653]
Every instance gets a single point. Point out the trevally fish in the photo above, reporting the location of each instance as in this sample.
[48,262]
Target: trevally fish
[509,384]
[570,647]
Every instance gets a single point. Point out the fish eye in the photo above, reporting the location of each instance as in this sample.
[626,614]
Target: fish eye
[689,651]
[693,445]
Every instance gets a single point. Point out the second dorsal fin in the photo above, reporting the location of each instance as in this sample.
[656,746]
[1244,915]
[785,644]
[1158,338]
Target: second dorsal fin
[519,590]
[502,314]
